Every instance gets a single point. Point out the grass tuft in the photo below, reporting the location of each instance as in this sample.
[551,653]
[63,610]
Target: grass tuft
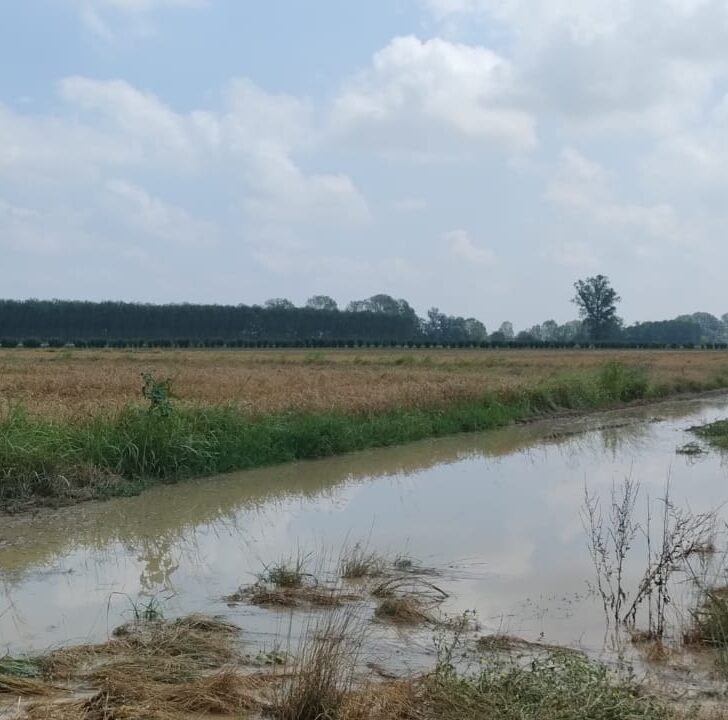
[323,672]
[357,562]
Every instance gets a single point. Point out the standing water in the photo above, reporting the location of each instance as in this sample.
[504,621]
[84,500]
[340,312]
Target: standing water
[497,516]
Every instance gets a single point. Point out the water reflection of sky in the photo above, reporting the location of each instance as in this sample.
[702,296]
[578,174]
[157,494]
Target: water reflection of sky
[498,514]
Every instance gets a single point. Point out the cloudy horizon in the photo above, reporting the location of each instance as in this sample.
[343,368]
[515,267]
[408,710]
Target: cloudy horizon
[475,155]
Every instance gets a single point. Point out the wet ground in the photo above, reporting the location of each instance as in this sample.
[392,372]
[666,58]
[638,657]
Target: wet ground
[496,515]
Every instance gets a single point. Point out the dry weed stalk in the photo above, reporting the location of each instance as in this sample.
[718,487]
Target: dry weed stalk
[682,534]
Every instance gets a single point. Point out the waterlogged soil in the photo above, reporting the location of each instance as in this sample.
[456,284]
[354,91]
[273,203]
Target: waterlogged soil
[495,517]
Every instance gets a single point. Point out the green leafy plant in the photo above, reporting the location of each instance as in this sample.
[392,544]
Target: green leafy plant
[158,393]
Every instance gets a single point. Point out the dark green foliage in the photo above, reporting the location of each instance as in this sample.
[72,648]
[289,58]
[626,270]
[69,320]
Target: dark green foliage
[667,332]
[597,303]
[98,324]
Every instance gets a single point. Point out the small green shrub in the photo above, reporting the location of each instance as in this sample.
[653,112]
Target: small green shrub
[158,393]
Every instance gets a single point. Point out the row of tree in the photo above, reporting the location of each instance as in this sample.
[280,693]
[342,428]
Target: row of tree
[380,319]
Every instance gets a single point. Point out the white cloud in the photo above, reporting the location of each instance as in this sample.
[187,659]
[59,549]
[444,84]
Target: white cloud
[579,255]
[108,18]
[463,247]
[582,187]
[109,136]
[282,193]
[422,95]
[141,118]
[255,118]
[623,65]
[151,216]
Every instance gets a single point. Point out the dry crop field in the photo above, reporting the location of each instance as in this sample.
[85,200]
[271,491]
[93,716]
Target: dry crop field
[68,383]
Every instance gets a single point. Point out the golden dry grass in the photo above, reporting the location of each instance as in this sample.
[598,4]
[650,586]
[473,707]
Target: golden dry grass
[156,671]
[71,383]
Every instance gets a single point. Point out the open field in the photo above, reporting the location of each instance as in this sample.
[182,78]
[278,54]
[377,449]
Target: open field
[75,383]
[74,424]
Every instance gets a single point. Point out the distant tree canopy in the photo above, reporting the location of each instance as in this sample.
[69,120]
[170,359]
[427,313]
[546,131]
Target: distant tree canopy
[376,319]
[322,302]
[380,319]
[597,303]
[665,332]
[712,329]
[441,328]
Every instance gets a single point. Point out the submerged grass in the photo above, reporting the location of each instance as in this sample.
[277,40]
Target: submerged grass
[715,433]
[44,460]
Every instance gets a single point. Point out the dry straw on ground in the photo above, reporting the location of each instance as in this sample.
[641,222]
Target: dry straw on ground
[154,670]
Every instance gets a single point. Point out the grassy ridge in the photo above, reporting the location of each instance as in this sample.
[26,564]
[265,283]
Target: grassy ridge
[120,453]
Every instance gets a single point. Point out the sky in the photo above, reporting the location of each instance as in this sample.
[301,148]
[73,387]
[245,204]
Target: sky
[474,155]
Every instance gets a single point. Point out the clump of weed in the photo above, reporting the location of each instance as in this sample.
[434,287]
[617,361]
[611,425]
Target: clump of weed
[21,677]
[323,672]
[159,394]
[407,360]
[403,564]
[393,700]
[498,642]
[287,583]
[407,600]
[291,597]
[150,610]
[314,358]
[413,587]
[403,611]
[710,620]
[691,449]
[716,433]
[286,573]
[19,667]
[357,562]
[566,685]
[623,383]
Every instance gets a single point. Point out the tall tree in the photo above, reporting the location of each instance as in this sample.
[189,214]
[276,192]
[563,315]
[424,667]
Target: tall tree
[597,302]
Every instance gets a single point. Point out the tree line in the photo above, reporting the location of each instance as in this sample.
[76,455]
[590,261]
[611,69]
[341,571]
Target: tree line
[380,320]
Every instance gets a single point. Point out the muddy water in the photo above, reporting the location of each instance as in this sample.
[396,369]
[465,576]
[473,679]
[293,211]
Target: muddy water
[497,515]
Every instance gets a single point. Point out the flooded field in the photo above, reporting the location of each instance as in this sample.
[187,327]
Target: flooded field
[496,516]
